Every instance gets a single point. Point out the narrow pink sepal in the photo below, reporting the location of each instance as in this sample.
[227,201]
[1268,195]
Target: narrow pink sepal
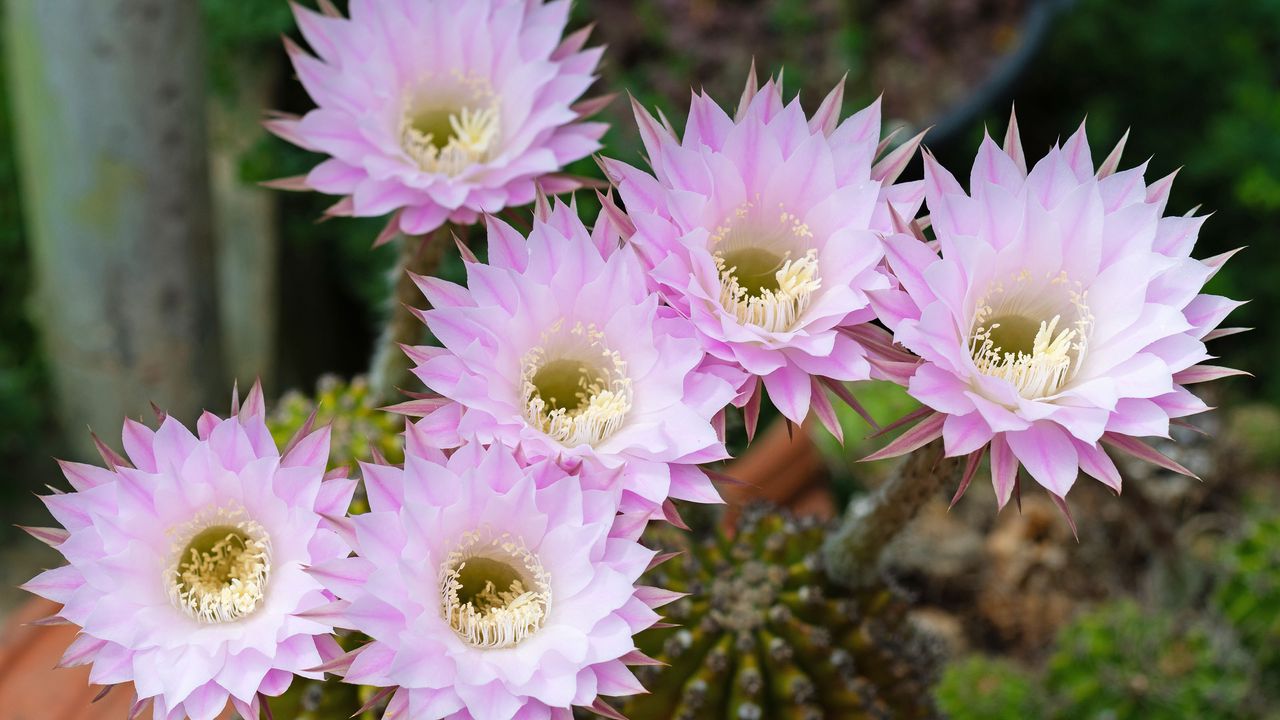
[1225,332]
[50,621]
[751,413]
[112,458]
[656,597]
[600,707]
[672,515]
[1206,373]
[748,93]
[971,469]
[635,657]
[847,397]
[102,694]
[378,697]
[1013,142]
[592,106]
[344,526]
[662,558]
[1112,163]
[887,170]
[297,183]
[827,118]
[302,432]
[53,537]
[917,437]
[389,231]
[1143,451]
[340,664]
[333,613]
[917,414]
[822,408]
[465,251]
[419,408]
[1066,512]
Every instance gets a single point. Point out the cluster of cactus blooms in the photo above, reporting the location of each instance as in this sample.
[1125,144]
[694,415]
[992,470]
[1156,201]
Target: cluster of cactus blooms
[1047,314]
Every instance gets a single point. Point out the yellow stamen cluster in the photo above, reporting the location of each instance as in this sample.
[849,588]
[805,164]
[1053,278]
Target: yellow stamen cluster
[761,283]
[1011,342]
[575,389]
[456,127]
[494,593]
[221,567]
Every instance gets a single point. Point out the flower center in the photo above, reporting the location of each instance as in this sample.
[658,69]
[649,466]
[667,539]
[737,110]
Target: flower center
[219,574]
[1035,337]
[575,389]
[450,126]
[494,593]
[761,283]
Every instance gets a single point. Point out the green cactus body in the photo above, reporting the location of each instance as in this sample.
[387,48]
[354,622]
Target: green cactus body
[762,634]
[317,700]
[982,688]
[358,426]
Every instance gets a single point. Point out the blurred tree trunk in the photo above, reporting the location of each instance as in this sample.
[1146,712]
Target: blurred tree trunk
[245,222]
[110,111]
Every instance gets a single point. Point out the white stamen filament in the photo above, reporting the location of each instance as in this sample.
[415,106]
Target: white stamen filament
[221,566]
[1036,365]
[494,593]
[450,123]
[761,283]
[474,132]
[773,310]
[575,389]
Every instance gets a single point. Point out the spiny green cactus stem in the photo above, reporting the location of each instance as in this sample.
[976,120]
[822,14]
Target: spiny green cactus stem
[390,368]
[762,634]
[852,552]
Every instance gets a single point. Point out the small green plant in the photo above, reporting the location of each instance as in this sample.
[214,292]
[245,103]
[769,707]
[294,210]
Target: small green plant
[1120,661]
[1126,662]
[984,688]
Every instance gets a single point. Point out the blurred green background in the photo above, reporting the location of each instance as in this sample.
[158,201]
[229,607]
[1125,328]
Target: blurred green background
[1196,81]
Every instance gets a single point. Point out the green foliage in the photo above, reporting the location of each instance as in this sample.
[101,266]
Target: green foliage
[764,635]
[982,688]
[1249,594]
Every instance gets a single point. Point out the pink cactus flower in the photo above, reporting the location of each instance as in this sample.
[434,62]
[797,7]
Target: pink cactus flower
[1064,314]
[441,110]
[185,563]
[557,346]
[490,588]
[761,229]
